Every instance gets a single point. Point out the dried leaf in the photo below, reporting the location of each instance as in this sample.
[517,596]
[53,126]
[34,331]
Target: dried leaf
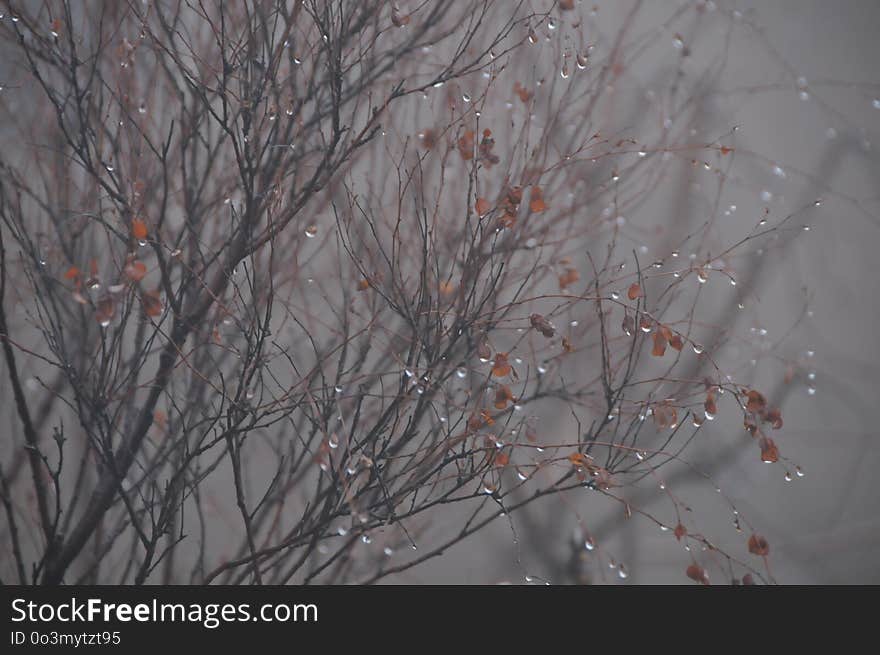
[139,229]
[634,291]
[503,396]
[758,545]
[135,270]
[501,367]
[676,342]
[659,348]
[72,273]
[363,285]
[774,417]
[542,325]
[152,303]
[466,145]
[769,450]
[756,403]
[536,201]
[570,276]
[698,574]
[680,532]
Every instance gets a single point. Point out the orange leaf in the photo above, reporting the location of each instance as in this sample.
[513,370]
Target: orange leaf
[536,203]
[680,531]
[758,546]
[501,459]
[139,229]
[72,273]
[635,291]
[363,285]
[501,367]
[570,276]
[135,270]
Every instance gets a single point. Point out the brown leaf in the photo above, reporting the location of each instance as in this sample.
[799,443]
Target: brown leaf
[135,270]
[466,145]
[755,402]
[659,348]
[774,417]
[769,450]
[398,20]
[635,291]
[698,574]
[503,396]
[542,325]
[758,545]
[680,532]
[152,303]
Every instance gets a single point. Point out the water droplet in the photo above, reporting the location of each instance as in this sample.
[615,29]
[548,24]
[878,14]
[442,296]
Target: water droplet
[542,369]
[615,295]
[701,277]
[778,171]
[564,73]
[551,24]
[333,440]
[622,572]
[766,195]
[465,97]
[875,103]
[388,551]
[460,373]
[312,231]
[698,349]
[799,471]
[581,61]
[366,538]
[787,476]
[533,38]
[811,391]
[589,544]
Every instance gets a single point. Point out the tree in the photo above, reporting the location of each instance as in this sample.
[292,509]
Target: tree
[283,281]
